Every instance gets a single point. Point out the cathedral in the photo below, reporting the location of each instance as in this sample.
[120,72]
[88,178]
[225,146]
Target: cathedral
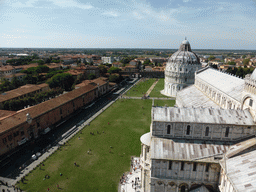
[180,70]
[206,142]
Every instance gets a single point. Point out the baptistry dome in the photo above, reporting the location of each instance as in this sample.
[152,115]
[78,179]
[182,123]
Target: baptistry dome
[180,69]
[185,55]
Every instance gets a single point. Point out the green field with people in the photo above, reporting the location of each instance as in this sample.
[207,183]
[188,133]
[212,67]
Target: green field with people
[96,158]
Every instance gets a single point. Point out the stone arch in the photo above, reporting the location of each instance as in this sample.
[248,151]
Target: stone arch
[247,96]
[194,186]
[183,187]
[209,187]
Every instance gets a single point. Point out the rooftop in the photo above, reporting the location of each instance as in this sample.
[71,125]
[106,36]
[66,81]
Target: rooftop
[202,115]
[170,149]
[192,97]
[35,111]
[226,83]
[241,170]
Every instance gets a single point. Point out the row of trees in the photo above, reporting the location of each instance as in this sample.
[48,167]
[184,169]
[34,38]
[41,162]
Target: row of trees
[14,84]
[63,80]
[22,60]
[32,99]
[240,72]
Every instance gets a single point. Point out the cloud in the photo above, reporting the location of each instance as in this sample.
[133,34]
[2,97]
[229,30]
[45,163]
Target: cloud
[29,3]
[111,13]
[71,3]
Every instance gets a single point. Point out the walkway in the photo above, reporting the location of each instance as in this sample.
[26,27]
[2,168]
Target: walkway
[156,98]
[128,184]
[151,88]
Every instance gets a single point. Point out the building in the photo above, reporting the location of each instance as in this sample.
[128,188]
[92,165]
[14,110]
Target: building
[180,70]
[21,126]
[207,142]
[109,60]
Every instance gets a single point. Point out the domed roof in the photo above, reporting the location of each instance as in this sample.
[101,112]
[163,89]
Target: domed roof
[253,75]
[185,54]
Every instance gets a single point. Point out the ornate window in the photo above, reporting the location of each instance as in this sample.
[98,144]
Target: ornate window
[168,129]
[207,167]
[250,102]
[182,166]
[227,132]
[194,166]
[207,131]
[188,130]
[170,165]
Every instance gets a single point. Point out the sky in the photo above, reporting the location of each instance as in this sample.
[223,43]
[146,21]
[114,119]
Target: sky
[207,24]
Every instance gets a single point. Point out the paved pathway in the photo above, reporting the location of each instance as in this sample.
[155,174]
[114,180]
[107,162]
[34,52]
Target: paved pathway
[128,183]
[156,98]
[151,88]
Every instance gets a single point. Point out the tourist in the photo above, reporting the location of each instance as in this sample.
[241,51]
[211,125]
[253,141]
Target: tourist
[75,163]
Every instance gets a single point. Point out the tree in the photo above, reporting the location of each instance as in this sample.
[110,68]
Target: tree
[146,62]
[114,70]
[63,80]
[91,76]
[15,82]
[115,78]
[246,61]
[211,57]
[231,63]
[244,56]
[42,69]
[103,69]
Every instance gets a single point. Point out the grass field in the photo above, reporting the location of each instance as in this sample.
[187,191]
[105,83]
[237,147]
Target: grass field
[168,103]
[102,169]
[159,87]
[141,88]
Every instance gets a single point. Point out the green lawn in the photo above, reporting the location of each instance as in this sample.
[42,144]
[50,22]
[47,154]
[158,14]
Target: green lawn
[159,87]
[101,170]
[169,103]
[141,88]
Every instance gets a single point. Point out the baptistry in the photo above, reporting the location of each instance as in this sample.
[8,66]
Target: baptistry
[180,70]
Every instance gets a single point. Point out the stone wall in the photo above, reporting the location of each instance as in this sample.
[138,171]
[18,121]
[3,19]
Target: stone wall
[171,177]
[202,131]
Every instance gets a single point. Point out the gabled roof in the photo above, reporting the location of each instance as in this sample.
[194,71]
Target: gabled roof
[228,84]
[202,115]
[169,149]
[240,147]
[241,171]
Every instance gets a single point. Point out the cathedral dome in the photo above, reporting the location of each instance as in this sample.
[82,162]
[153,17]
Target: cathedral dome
[184,55]
[253,76]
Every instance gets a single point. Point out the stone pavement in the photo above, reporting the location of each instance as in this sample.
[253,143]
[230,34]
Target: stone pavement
[156,98]
[151,88]
[128,183]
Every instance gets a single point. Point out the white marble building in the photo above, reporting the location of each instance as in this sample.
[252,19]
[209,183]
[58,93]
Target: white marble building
[180,70]
[207,142]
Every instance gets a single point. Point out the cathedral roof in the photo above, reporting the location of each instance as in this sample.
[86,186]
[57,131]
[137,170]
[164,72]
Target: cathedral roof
[175,150]
[193,97]
[241,171]
[203,115]
[185,54]
[228,84]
